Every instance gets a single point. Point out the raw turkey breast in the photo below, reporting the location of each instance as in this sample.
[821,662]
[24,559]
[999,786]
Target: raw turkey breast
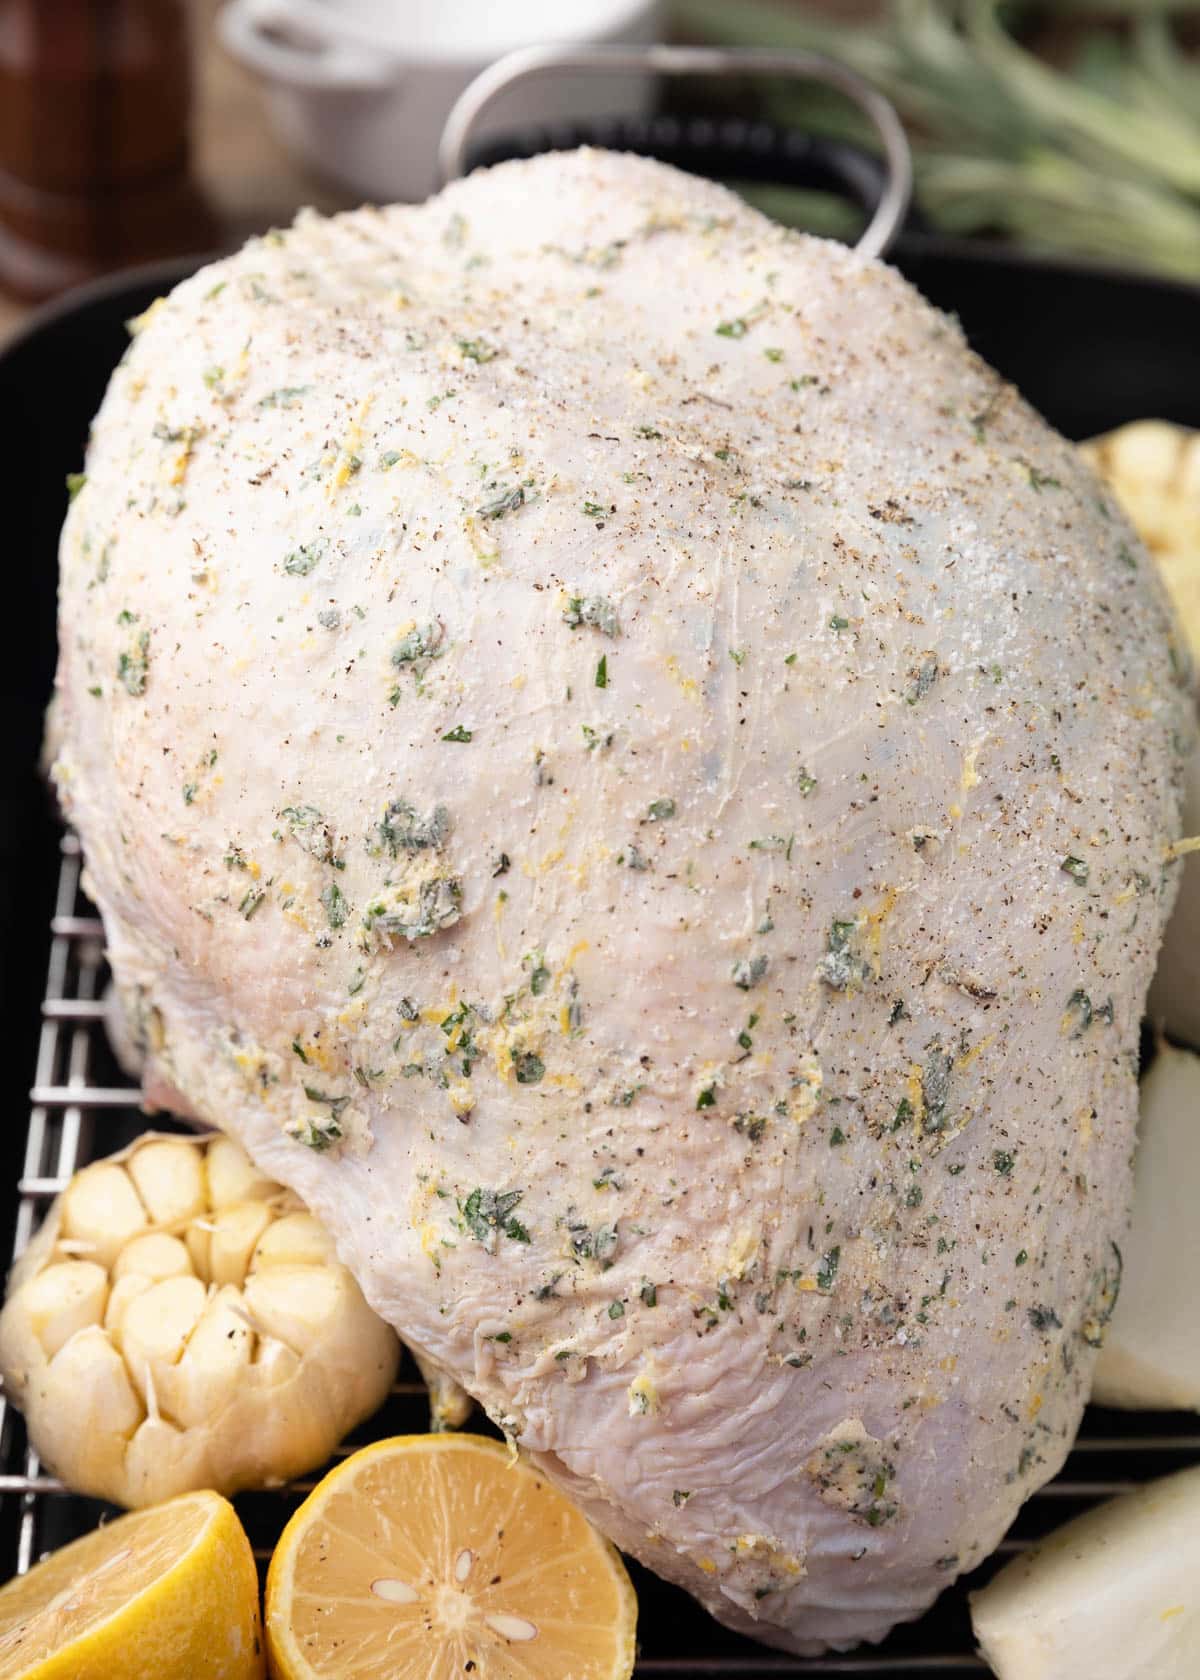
[628,768]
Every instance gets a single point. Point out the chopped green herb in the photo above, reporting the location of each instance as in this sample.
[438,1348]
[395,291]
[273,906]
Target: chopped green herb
[458,733]
[921,678]
[318,1135]
[805,782]
[75,483]
[647,432]
[1102,1299]
[935,1086]
[1003,1161]
[1079,1013]
[251,902]
[418,647]
[1041,481]
[837,622]
[334,1104]
[528,1067]
[841,967]
[301,561]
[476,350]
[336,907]
[749,971]
[506,501]
[133,668]
[403,829]
[680,1496]
[602,672]
[660,810]
[774,843]
[298,1048]
[707,1097]
[836,1136]
[1022,1257]
[828,1268]
[287,396]
[1076,868]
[616,1309]
[595,610]
[488,1214]
[737,328]
[773,354]
[311,830]
[189,792]
[648,1293]
[1044,1318]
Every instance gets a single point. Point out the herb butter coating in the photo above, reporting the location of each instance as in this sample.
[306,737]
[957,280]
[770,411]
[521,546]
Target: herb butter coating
[630,770]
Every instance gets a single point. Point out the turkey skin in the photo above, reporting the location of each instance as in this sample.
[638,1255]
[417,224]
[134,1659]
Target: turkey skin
[629,769]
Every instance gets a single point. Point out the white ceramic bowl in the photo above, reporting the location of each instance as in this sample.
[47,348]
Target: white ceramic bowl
[360,89]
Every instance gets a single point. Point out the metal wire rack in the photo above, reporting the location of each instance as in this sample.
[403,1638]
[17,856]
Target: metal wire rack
[81,1107]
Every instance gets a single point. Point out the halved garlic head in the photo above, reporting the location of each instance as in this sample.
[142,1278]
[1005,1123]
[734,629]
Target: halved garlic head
[182,1322]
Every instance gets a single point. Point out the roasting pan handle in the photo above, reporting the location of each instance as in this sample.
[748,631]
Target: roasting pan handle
[528,62]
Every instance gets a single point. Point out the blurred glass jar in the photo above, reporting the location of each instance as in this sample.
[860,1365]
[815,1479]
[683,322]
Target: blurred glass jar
[94,105]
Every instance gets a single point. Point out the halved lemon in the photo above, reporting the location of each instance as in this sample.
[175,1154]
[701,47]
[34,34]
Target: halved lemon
[428,1557]
[169,1593]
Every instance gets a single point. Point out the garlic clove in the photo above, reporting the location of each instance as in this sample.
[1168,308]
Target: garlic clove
[275,1364]
[235,1233]
[64,1299]
[154,1256]
[169,1176]
[297,1239]
[296,1303]
[233,1177]
[162,1460]
[156,1328]
[86,1410]
[101,1208]
[123,1291]
[198,1242]
[211,1372]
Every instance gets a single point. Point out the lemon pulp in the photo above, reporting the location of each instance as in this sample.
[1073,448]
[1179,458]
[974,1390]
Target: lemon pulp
[161,1594]
[442,1555]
